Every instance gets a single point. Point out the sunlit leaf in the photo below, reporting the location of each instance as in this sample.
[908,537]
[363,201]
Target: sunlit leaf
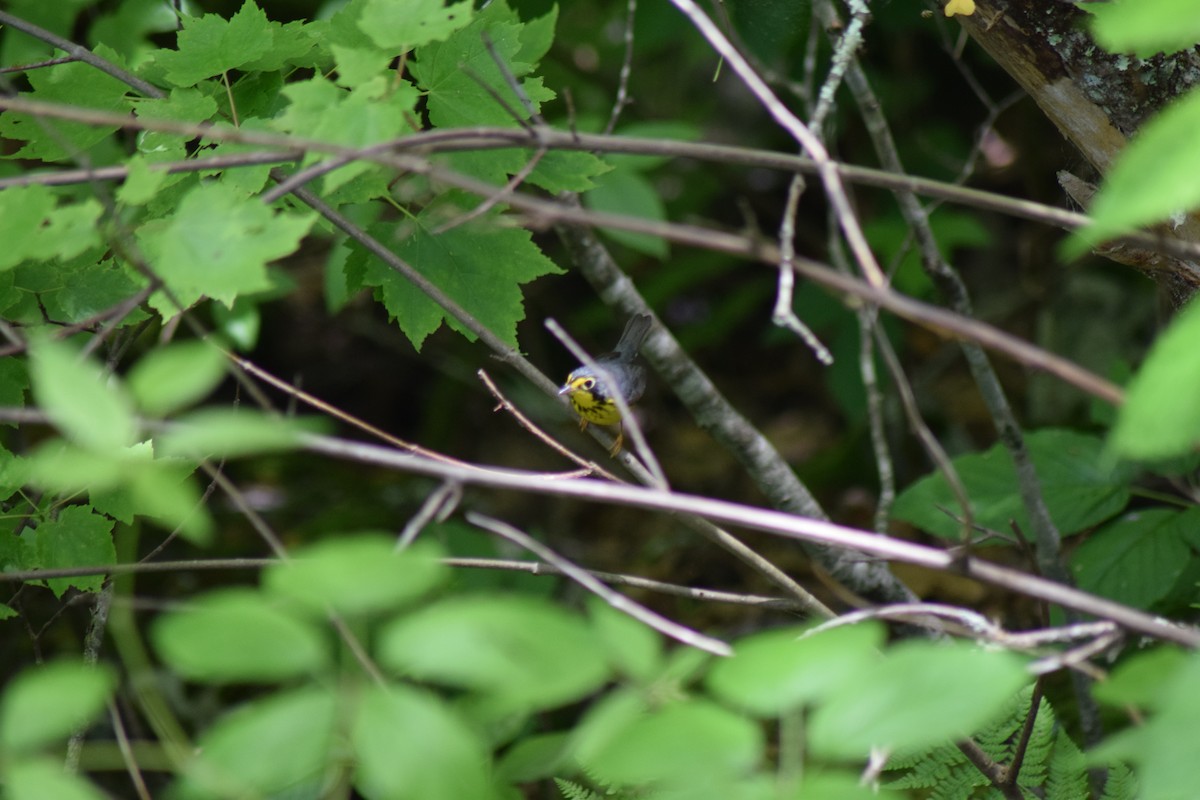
[47,703]
[237,635]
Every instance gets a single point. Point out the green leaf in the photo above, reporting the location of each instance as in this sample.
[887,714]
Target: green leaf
[87,405]
[77,538]
[189,106]
[1151,179]
[218,244]
[1162,746]
[356,574]
[14,382]
[481,265]
[560,171]
[125,482]
[88,287]
[22,209]
[1136,559]
[1081,487]
[266,747]
[209,45]
[633,648]
[125,29]
[75,84]
[1146,27]
[1157,420]
[777,671]
[667,130]
[368,114]
[1139,680]
[229,433]
[47,703]
[627,192]
[919,694]
[403,24]
[176,376]
[37,779]
[522,653]
[409,745]
[690,742]
[460,75]
[534,758]
[237,635]
[141,183]
[37,229]
[292,44]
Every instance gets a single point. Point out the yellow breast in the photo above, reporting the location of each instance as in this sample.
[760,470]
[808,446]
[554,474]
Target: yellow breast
[594,410]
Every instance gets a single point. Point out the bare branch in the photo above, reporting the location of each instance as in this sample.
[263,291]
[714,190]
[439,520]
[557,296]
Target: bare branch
[588,581]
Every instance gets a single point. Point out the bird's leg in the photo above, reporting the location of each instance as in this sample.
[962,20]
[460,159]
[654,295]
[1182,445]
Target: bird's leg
[620,440]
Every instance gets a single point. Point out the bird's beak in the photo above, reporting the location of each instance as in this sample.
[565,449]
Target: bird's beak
[565,390]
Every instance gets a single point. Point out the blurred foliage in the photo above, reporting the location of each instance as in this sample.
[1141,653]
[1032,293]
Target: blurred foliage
[485,664]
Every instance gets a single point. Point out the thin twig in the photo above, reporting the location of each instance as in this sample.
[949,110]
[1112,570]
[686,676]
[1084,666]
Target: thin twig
[591,467]
[792,124]
[617,600]
[439,505]
[770,521]
[658,477]
[626,69]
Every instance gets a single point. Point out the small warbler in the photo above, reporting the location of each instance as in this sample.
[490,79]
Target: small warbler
[591,390]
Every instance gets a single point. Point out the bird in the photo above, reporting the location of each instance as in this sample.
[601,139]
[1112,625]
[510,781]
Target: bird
[591,390]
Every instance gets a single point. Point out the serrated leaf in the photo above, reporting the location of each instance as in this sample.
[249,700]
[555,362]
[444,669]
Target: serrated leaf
[777,671]
[47,703]
[358,65]
[560,171]
[1136,559]
[209,45]
[77,538]
[126,28]
[294,43]
[141,183]
[218,244]
[409,746]
[22,210]
[237,635]
[189,106]
[460,75]
[90,287]
[36,228]
[520,653]
[373,112]
[920,694]
[89,407]
[1151,179]
[264,748]
[75,84]
[403,24]
[176,376]
[1081,487]
[1157,419]
[480,265]
[355,574]
[1146,27]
